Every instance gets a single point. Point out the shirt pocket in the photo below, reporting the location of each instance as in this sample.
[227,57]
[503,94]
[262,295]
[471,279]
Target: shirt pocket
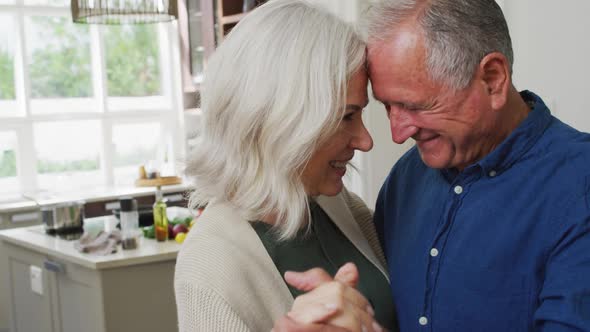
[472,299]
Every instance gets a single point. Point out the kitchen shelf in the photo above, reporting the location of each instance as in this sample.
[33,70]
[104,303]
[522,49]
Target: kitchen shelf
[232,18]
[159,181]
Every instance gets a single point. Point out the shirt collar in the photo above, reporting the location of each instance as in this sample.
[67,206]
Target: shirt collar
[517,143]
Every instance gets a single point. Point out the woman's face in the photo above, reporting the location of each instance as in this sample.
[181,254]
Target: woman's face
[324,171]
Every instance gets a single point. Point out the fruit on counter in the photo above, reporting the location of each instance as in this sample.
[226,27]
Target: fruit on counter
[179,228]
[182,226]
[180,237]
[149,232]
[161,233]
[171,233]
[186,221]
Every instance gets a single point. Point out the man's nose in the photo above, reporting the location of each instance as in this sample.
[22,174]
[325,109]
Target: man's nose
[401,126]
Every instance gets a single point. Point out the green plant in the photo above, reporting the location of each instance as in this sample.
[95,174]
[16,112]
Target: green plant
[50,166]
[60,68]
[7,75]
[8,164]
[132,61]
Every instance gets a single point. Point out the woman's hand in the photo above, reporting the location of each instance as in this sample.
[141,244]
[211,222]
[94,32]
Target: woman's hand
[332,301]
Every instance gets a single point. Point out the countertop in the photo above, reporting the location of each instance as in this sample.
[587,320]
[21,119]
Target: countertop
[34,238]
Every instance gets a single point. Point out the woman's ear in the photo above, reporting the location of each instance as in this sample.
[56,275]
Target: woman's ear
[494,72]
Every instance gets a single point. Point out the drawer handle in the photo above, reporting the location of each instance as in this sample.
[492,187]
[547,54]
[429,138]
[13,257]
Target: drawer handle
[25,217]
[53,266]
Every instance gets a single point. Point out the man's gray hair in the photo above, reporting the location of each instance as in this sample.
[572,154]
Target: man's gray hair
[273,91]
[458,33]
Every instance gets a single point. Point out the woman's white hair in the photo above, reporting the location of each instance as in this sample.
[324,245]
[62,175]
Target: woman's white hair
[273,91]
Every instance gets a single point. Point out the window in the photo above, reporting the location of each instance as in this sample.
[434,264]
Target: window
[135,46]
[83,106]
[129,151]
[58,64]
[7,91]
[8,161]
[73,156]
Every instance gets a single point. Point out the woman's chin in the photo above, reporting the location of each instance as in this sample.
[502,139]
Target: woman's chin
[332,189]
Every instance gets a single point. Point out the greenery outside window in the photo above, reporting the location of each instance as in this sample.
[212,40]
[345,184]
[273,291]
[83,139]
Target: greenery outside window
[83,106]
[8,159]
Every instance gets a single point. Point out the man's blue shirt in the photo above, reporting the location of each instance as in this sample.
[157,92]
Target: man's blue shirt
[503,245]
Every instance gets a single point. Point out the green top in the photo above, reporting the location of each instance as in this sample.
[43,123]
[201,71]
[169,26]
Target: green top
[327,247]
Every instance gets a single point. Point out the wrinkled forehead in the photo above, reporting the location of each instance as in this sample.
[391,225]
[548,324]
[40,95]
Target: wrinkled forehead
[373,53]
[405,42]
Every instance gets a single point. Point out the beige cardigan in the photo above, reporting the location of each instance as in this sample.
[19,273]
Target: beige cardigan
[226,281]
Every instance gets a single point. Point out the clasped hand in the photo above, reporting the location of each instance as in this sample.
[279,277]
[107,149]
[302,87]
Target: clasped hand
[330,304]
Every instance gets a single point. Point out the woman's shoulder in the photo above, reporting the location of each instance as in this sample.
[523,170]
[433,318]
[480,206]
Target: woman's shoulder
[223,251]
[223,257]
[215,244]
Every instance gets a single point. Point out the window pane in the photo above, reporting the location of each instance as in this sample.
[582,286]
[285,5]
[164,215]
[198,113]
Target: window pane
[68,154]
[8,175]
[58,57]
[134,145]
[132,60]
[7,154]
[6,2]
[7,32]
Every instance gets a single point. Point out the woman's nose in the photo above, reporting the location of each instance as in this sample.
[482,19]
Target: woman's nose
[362,141]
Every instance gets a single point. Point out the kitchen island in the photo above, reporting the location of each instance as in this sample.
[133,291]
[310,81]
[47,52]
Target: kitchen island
[52,287]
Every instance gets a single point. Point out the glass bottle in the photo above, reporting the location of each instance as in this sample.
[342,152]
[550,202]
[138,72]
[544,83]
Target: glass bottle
[129,223]
[160,218]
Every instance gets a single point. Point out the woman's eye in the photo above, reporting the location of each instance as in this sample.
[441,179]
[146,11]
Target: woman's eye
[348,116]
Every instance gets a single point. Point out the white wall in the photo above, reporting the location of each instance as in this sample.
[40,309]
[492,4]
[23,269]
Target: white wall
[552,49]
[345,9]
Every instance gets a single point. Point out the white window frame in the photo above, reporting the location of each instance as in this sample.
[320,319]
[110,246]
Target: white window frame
[165,109]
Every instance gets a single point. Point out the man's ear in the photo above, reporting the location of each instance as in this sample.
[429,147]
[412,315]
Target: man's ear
[495,75]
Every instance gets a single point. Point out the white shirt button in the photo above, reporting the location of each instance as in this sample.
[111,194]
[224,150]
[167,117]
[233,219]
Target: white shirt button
[458,190]
[423,320]
[433,252]
[492,173]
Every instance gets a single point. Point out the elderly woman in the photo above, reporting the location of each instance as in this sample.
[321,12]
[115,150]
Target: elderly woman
[282,103]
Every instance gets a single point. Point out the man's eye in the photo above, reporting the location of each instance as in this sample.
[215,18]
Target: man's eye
[406,107]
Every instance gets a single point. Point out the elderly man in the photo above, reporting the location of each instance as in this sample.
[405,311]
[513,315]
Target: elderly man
[486,221]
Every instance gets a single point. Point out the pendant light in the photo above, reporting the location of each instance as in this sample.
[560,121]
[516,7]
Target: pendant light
[123,11]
